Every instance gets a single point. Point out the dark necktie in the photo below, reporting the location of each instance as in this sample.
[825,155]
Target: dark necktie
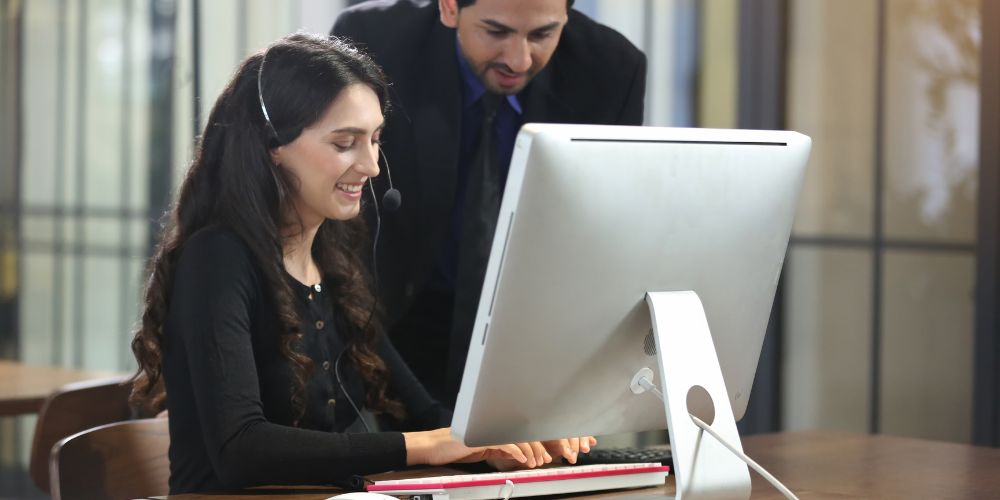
[479,221]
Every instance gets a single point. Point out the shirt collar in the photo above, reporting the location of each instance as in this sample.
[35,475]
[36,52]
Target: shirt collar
[474,88]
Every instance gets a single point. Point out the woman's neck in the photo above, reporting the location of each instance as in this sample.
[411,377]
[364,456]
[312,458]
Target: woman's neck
[297,256]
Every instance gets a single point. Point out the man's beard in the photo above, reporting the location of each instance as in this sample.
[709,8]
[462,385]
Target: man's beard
[496,89]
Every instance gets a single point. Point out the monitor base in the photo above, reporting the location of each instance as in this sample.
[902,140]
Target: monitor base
[692,383]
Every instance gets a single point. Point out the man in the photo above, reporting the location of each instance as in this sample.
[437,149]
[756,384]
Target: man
[456,65]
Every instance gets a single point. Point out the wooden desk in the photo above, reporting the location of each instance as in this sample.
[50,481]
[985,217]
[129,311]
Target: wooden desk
[813,465]
[23,388]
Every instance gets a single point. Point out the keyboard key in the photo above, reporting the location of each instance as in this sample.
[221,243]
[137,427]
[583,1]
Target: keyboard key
[625,455]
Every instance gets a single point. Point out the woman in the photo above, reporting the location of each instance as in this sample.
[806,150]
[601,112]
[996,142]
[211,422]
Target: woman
[257,329]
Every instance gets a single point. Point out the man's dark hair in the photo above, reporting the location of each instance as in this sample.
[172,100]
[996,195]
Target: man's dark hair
[465,3]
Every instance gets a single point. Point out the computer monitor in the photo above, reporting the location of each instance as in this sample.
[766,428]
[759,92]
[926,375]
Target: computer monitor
[593,218]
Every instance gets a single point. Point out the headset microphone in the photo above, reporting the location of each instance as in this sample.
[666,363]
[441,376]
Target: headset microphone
[392,198]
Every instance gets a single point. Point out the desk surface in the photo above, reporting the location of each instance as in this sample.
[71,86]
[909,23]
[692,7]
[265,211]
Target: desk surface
[813,465]
[23,388]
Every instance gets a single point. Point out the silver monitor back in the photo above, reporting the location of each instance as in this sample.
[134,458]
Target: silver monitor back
[592,218]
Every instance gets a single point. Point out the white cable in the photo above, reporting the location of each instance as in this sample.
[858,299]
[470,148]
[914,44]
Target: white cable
[646,384]
[749,461]
[507,490]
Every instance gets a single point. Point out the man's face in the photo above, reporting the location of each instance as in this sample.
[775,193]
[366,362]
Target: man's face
[506,42]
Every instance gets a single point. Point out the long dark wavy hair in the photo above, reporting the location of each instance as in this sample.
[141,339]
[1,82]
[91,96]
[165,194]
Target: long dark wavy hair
[234,183]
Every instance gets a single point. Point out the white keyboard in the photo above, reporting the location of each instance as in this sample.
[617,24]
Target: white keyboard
[544,481]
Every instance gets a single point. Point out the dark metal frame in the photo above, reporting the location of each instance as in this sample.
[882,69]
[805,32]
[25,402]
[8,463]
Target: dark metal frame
[986,415]
[893,244]
[71,217]
[242,37]
[196,64]
[878,226]
[763,44]
[761,99]
[80,168]
[60,175]
[12,65]
[763,39]
[163,26]
[126,291]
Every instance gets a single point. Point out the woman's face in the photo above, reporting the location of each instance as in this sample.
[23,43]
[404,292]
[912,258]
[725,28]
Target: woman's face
[331,160]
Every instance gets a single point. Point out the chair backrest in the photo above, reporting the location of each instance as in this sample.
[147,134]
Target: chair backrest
[113,461]
[71,409]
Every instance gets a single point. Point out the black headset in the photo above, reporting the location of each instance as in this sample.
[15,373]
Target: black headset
[392,199]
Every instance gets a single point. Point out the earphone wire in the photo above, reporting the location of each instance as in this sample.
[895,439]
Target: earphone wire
[388,171]
[336,373]
[375,281]
[371,312]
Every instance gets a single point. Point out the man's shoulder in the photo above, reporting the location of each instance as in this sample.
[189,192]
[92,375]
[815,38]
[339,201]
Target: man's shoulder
[593,63]
[384,22]
[387,7]
[586,41]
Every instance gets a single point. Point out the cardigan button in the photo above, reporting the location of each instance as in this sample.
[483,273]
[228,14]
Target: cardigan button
[319,325]
[326,365]
[331,403]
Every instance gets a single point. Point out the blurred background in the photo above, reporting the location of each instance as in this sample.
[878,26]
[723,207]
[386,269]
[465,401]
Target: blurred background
[886,316]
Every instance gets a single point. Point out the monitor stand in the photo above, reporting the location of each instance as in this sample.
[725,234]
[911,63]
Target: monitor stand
[692,382]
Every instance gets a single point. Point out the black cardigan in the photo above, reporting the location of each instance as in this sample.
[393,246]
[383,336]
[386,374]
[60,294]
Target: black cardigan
[228,386]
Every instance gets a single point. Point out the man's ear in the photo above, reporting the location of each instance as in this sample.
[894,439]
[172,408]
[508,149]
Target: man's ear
[449,13]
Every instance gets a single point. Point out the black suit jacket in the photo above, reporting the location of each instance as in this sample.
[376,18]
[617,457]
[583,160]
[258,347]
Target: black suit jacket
[595,76]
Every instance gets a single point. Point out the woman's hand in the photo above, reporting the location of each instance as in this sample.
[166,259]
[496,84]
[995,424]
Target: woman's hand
[569,448]
[535,449]
[437,447]
[566,448]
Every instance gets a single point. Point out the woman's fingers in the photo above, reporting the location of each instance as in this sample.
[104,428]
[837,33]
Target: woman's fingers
[439,447]
[542,457]
[514,451]
[529,455]
[574,445]
[569,448]
[563,448]
[529,452]
[538,453]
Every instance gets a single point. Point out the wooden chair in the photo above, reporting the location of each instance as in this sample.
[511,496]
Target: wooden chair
[113,461]
[71,409]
